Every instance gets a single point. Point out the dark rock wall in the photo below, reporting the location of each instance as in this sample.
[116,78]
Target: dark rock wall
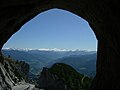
[102,15]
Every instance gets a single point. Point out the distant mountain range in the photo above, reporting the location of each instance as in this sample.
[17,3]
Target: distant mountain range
[82,61]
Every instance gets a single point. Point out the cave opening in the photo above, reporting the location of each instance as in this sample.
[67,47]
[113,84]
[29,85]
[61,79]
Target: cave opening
[103,17]
[66,40]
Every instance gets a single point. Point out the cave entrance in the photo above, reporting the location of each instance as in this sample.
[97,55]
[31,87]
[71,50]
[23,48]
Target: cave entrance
[56,30]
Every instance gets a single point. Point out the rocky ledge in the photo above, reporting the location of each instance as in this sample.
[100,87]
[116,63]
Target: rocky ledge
[13,75]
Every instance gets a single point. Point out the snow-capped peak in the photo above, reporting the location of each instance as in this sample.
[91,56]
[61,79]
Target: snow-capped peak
[43,49]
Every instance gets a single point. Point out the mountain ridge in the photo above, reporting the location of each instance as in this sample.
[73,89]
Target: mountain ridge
[47,49]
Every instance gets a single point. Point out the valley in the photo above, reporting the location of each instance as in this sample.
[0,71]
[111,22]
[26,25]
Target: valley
[83,61]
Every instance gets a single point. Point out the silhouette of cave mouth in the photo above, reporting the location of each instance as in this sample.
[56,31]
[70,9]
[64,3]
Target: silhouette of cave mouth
[102,17]
[82,69]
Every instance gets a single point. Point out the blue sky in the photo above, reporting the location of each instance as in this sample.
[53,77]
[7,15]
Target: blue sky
[54,29]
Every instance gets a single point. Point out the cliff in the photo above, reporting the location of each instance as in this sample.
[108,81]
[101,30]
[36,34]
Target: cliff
[11,73]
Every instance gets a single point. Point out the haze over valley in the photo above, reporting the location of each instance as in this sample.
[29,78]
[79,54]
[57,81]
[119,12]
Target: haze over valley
[83,61]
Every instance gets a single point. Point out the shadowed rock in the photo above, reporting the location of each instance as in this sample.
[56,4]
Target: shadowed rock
[102,15]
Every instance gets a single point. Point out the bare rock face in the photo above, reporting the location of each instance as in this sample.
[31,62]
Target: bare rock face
[102,15]
[11,73]
[6,75]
